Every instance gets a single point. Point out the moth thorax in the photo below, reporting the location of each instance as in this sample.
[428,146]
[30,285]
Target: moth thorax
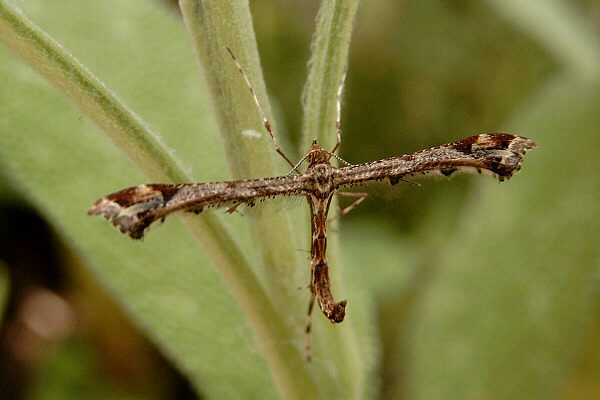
[322,177]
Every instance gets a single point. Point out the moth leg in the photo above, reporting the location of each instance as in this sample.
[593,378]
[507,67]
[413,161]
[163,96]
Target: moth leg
[266,122]
[233,208]
[361,197]
[410,182]
[307,345]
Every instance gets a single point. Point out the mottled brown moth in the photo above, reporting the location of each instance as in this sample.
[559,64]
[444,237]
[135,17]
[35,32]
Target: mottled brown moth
[134,210]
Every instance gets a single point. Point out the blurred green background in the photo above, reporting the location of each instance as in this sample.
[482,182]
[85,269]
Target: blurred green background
[477,290]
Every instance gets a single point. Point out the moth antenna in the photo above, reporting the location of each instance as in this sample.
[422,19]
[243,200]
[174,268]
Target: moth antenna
[266,122]
[340,159]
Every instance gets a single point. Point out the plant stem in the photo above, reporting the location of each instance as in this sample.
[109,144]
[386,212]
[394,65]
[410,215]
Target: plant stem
[213,26]
[137,141]
[327,65]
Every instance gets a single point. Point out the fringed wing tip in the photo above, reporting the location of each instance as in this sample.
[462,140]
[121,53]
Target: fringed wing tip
[503,153]
[499,154]
[129,224]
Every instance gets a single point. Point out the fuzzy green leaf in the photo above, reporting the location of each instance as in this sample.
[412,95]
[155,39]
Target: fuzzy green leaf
[216,333]
[504,315]
[62,163]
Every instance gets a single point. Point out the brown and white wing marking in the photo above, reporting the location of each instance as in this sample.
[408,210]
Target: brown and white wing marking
[134,209]
[497,154]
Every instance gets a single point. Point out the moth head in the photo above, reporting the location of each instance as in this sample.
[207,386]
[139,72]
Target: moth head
[317,154]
